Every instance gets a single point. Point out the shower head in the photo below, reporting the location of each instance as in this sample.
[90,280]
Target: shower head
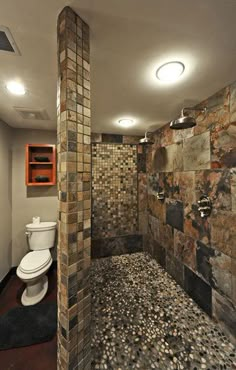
[146,140]
[184,121]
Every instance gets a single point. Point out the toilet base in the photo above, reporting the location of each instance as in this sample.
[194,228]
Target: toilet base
[35,292]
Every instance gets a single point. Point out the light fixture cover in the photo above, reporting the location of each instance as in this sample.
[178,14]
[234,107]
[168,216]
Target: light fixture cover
[16,88]
[170,72]
[126,122]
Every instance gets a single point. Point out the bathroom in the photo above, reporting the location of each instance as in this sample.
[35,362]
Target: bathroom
[141,264]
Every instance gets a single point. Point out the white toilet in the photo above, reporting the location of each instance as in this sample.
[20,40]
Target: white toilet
[34,265]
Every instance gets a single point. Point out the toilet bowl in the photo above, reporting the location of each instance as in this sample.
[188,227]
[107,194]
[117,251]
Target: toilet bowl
[34,265]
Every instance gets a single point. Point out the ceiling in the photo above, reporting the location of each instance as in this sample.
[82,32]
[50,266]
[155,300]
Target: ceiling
[130,39]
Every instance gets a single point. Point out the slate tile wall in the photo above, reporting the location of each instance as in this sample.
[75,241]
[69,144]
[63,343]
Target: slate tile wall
[74,184]
[199,253]
[119,217]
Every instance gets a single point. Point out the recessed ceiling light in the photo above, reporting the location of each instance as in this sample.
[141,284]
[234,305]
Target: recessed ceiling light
[16,88]
[126,122]
[169,72]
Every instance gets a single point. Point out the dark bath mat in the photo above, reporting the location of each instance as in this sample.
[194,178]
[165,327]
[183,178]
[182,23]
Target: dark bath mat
[25,326]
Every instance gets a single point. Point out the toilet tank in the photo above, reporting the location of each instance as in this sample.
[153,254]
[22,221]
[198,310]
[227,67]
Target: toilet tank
[41,235]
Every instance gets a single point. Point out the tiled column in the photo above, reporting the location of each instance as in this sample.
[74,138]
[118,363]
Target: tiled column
[74,184]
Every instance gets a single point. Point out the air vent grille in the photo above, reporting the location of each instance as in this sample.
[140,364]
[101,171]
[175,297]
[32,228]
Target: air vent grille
[33,114]
[7,43]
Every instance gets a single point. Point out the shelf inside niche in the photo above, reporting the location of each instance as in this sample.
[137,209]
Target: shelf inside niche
[40,163]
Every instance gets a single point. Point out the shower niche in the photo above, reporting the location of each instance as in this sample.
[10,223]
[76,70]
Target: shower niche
[40,164]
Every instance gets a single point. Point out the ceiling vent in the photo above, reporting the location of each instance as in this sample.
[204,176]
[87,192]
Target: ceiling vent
[33,114]
[7,43]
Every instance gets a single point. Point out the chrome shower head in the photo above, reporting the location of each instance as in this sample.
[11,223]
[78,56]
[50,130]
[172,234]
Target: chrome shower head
[184,121]
[146,140]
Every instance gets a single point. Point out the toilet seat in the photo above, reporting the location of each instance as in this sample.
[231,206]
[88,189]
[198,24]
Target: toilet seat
[35,261]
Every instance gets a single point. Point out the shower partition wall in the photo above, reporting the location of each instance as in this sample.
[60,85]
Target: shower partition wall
[74,183]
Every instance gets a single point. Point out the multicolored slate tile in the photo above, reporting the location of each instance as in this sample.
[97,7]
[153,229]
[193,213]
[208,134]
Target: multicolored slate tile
[216,185]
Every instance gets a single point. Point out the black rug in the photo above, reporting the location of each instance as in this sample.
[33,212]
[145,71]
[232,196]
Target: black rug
[24,326]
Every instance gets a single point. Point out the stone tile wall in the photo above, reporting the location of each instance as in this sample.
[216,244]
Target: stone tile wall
[199,253]
[74,184]
[114,187]
[118,193]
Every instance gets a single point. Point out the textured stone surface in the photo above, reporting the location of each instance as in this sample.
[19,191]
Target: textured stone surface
[223,151]
[180,135]
[142,192]
[161,182]
[157,207]
[223,232]
[114,189]
[159,253]
[198,290]
[195,226]
[184,187]
[174,214]
[175,268]
[141,159]
[209,162]
[224,312]
[196,152]
[169,158]
[233,188]
[233,102]
[111,138]
[222,273]
[204,267]
[115,246]
[127,139]
[216,185]
[143,320]
[74,184]
[217,114]
[166,236]
[185,249]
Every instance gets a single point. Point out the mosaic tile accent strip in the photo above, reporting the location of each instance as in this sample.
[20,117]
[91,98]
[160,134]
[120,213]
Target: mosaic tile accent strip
[114,189]
[143,320]
[74,183]
[113,138]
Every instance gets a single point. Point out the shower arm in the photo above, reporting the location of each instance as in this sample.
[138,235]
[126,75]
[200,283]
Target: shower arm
[194,109]
[147,133]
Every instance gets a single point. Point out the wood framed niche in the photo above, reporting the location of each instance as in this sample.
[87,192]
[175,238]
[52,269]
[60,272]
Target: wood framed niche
[40,164]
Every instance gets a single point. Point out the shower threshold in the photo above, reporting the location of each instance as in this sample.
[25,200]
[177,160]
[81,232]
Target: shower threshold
[141,319]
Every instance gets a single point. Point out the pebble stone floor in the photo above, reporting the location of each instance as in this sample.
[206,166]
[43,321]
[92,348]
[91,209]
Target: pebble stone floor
[143,320]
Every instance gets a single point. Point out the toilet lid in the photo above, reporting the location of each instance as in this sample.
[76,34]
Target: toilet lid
[34,261]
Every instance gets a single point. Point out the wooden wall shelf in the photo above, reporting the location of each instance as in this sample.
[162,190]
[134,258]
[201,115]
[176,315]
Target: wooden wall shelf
[34,168]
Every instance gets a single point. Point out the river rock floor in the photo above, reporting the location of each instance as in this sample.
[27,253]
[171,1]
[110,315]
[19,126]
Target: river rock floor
[141,319]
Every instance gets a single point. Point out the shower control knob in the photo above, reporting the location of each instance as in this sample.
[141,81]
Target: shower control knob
[160,195]
[204,206]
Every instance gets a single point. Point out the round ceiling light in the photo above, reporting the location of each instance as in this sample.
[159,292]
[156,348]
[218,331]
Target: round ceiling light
[170,72]
[16,88]
[126,122]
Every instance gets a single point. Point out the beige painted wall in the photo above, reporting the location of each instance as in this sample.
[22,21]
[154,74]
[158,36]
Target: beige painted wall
[5,199]
[28,201]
